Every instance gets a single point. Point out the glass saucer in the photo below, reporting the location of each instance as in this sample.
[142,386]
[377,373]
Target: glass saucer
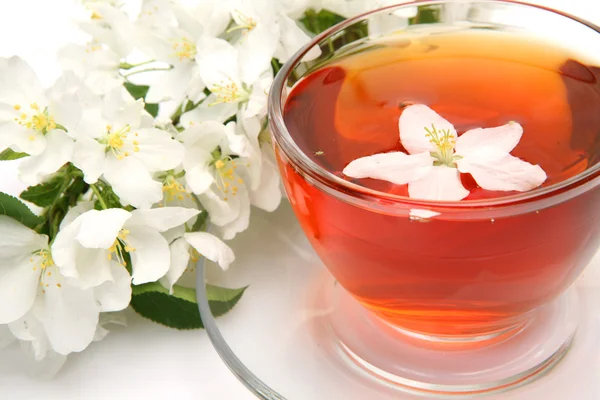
[277,340]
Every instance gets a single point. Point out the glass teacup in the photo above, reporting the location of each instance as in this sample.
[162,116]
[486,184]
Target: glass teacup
[446,296]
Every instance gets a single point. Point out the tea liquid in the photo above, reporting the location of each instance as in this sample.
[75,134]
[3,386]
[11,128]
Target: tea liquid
[450,277]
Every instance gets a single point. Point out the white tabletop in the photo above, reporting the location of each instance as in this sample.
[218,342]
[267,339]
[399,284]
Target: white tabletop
[143,360]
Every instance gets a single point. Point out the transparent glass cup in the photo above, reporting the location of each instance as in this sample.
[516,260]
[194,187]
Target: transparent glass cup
[487,280]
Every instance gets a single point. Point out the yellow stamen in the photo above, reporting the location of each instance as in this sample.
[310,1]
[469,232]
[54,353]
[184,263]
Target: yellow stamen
[173,189]
[229,92]
[184,49]
[115,141]
[38,120]
[119,247]
[246,23]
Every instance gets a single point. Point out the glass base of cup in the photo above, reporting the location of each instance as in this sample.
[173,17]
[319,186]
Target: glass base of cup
[438,366]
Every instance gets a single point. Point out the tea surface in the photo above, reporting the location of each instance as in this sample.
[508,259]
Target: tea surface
[350,109]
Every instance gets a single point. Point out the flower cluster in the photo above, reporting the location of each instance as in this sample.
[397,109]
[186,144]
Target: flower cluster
[156,128]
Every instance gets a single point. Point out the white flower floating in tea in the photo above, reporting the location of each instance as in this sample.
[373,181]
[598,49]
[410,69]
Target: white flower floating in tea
[437,156]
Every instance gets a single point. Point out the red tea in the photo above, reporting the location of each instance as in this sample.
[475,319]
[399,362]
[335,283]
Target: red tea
[447,276]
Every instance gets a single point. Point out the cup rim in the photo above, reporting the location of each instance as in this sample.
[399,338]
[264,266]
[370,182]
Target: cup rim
[324,179]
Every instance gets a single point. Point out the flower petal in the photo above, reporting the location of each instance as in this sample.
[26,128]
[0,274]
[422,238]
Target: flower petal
[158,151]
[75,212]
[199,178]
[69,316]
[241,223]
[209,111]
[257,103]
[99,229]
[172,84]
[291,39]
[222,212]
[161,219]
[207,135]
[214,16]
[89,157]
[268,194]
[217,62]
[151,257]
[256,51]
[115,29]
[493,169]
[132,182]
[59,150]
[211,247]
[235,143]
[180,258]
[395,167]
[19,83]
[17,239]
[120,109]
[413,123]
[114,295]
[64,100]
[89,267]
[503,138]
[18,286]
[28,328]
[21,139]
[441,183]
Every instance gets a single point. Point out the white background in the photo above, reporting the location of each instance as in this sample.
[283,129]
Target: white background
[144,360]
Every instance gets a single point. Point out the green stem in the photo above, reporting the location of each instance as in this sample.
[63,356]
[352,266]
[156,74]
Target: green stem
[177,114]
[139,71]
[98,196]
[331,46]
[275,66]
[125,65]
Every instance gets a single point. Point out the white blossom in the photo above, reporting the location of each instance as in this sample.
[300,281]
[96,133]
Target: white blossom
[170,37]
[118,143]
[35,121]
[232,80]
[94,63]
[217,171]
[86,247]
[186,250]
[42,306]
[110,25]
[437,157]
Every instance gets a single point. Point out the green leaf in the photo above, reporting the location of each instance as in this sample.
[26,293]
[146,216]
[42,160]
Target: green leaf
[44,194]
[9,154]
[180,310]
[108,195]
[276,66]
[137,91]
[317,22]
[16,209]
[152,109]
[221,300]
[200,223]
[140,92]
